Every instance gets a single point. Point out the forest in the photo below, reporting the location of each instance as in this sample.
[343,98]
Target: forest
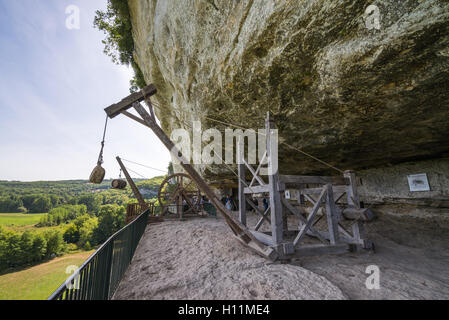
[75,215]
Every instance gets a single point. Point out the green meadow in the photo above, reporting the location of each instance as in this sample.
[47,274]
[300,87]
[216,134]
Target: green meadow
[20,219]
[39,282]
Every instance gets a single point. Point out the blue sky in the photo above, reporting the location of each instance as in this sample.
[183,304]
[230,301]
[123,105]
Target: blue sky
[54,85]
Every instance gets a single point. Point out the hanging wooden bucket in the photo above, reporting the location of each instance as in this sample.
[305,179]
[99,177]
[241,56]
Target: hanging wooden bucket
[118,184]
[97,175]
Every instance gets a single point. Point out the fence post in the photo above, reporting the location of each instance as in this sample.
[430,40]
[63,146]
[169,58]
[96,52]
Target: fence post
[109,269]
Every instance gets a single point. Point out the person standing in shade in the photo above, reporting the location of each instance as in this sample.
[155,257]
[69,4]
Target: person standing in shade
[228,203]
[265,204]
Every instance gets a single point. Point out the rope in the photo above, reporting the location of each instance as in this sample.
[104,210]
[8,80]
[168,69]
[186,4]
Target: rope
[142,165]
[135,172]
[100,157]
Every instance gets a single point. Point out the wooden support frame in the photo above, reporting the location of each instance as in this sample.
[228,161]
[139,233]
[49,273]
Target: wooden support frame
[335,240]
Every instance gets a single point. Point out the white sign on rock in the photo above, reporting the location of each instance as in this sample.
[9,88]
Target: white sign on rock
[418,182]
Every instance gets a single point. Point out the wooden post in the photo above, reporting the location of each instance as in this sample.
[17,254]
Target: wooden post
[351,189]
[275,197]
[132,185]
[331,213]
[242,179]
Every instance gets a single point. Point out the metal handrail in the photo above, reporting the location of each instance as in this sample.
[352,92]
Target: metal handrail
[89,292]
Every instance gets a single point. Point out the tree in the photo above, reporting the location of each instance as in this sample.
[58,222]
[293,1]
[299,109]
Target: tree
[39,248]
[91,201]
[55,242]
[71,234]
[111,218]
[41,204]
[87,231]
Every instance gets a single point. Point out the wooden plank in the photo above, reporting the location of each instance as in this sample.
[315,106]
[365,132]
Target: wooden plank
[132,184]
[263,237]
[256,189]
[351,190]
[238,228]
[331,213]
[242,197]
[315,191]
[319,249]
[117,108]
[269,253]
[291,180]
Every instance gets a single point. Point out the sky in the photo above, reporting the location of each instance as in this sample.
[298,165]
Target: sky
[54,85]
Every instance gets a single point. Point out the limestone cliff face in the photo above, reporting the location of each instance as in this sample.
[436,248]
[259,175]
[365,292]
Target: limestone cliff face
[352,96]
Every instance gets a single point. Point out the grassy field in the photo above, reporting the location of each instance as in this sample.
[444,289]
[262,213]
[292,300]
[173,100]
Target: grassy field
[38,282]
[20,219]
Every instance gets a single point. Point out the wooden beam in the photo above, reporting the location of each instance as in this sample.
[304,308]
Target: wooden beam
[132,184]
[263,237]
[319,249]
[242,197]
[315,191]
[351,190]
[273,182]
[264,217]
[114,110]
[331,213]
[256,189]
[290,180]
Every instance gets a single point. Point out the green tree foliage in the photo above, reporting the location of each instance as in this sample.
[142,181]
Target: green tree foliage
[10,205]
[115,22]
[62,214]
[71,234]
[19,249]
[91,201]
[111,218]
[55,242]
[87,231]
[41,204]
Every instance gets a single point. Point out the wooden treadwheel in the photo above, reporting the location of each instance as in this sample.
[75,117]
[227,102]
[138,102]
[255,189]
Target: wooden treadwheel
[179,194]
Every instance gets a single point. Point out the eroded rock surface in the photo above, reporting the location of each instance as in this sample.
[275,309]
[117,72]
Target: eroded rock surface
[352,96]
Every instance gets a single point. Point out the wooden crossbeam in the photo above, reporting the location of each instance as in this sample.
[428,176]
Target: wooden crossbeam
[250,168]
[114,110]
[264,217]
[258,168]
[256,189]
[301,180]
[257,209]
[315,191]
[293,210]
[310,219]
